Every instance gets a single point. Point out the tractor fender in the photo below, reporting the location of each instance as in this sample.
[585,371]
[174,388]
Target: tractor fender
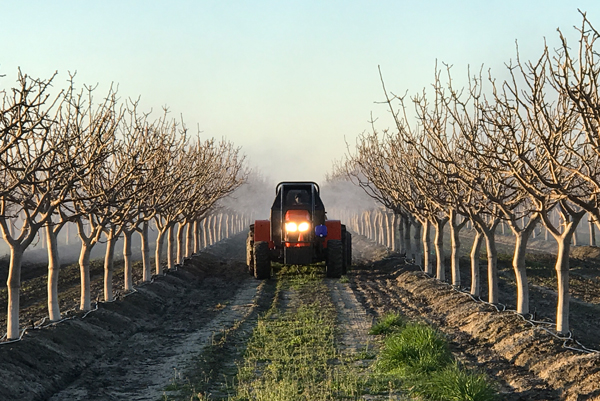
[334,230]
[262,231]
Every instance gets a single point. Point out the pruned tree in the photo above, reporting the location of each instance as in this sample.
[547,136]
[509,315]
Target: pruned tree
[81,139]
[97,198]
[34,178]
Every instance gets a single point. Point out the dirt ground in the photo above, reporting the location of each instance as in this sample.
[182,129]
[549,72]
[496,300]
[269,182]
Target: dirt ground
[526,361]
[133,348]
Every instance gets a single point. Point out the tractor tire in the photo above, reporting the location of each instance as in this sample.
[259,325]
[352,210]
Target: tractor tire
[262,261]
[344,253]
[335,258]
[250,251]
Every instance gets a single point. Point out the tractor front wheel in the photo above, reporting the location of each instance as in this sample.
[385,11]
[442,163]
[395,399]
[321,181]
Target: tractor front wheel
[262,262]
[335,258]
[250,251]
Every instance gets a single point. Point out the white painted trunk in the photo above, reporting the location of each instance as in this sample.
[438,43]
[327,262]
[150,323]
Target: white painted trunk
[427,265]
[85,303]
[109,263]
[401,237]
[455,245]
[171,248]
[418,251]
[227,226]
[407,239]
[521,239]
[562,274]
[53,270]
[394,230]
[219,230]
[14,286]
[146,263]
[180,243]
[439,250]
[492,266]
[189,240]
[196,236]
[475,258]
[205,232]
[128,276]
[160,239]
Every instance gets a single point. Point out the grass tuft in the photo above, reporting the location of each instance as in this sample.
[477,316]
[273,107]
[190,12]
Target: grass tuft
[389,323]
[455,384]
[417,349]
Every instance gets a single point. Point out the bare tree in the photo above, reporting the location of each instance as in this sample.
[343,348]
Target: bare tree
[33,179]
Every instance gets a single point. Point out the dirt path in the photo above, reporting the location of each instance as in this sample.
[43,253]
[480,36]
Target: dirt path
[353,324]
[142,375]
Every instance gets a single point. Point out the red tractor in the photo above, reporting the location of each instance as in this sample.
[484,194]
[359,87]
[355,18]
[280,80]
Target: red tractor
[298,233]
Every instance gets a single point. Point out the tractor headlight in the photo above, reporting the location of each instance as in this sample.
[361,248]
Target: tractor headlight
[291,227]
[304,226]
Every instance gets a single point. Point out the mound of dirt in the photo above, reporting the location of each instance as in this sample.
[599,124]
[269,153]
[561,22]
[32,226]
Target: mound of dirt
[527,362]
[576,374]
[130,334]
[588,253]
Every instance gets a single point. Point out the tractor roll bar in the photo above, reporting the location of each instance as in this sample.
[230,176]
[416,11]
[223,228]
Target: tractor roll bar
[296,183]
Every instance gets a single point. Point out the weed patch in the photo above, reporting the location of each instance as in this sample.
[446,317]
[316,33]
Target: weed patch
[418,357]
[388,324]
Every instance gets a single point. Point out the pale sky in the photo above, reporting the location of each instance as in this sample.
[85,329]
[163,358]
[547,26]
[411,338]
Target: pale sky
[285,80]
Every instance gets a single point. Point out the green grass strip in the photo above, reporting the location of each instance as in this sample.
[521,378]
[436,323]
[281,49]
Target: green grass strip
[292,353]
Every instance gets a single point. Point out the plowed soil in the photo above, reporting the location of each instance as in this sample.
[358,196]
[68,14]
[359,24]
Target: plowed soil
[133,348]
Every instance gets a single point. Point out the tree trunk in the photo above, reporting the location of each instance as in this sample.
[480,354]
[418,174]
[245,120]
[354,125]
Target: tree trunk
[53,270]
[439,249]
[455,244]
[417,240]
[14,287]
[219,235]
[189,240]
[592,232]
[147,266]
[520,271]
[85,303]
[401,237]
[475,258]
[196,236]
[407,244]
[394,232]
[492,265]
[180,243]
[562,275]
[211,229]
[562,271]
[160,239]
[128,279]
[205,232]
[427,265]
[227,226]
[109,263]
[67,233]
[171,247]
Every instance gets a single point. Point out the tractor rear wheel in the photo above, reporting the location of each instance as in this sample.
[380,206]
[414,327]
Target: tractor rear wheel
[262,262]
[335,258]
[250,251]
